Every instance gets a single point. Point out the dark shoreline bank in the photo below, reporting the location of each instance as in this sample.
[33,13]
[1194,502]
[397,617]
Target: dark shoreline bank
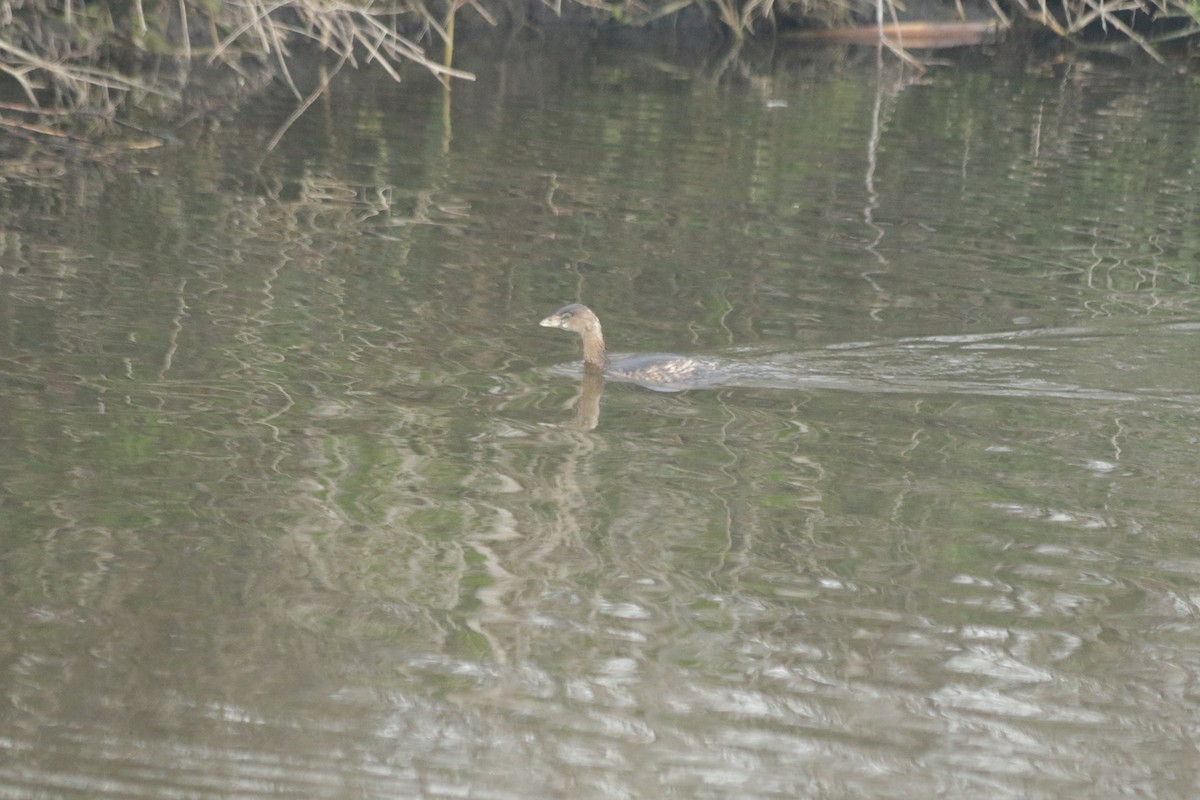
[132,75]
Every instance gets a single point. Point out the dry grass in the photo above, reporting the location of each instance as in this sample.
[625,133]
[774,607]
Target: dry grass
[95,57]
[67,53]
[1073,19]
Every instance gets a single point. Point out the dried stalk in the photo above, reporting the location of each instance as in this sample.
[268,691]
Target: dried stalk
[75,77]
[1079,15]
[1110,19]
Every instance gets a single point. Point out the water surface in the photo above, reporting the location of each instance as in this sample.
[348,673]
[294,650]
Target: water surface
[298,500]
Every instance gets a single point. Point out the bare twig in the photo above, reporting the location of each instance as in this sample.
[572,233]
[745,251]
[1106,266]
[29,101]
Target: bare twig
[77,73]
[312,98]
[1134,37]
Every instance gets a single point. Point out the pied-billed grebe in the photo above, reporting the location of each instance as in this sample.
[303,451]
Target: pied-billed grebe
[654,370]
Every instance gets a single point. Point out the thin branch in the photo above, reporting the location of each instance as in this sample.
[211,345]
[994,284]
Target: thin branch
[18,75]
[254,21]
[312,98]
[80,72]
[1130,32]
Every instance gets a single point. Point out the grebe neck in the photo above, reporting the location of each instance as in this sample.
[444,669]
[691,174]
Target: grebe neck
[593,348]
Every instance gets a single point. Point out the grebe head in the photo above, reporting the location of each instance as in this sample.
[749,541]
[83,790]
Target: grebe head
[575,317]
